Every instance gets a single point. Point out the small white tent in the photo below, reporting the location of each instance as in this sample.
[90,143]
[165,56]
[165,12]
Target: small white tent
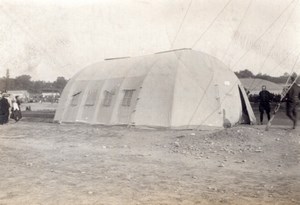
[177,89]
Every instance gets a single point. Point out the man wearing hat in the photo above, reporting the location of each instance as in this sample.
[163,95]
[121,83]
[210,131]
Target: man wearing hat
[4,109]
[265,97]
[292,100]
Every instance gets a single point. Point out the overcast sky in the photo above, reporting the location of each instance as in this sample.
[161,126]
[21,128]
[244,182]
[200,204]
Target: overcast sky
[51,38]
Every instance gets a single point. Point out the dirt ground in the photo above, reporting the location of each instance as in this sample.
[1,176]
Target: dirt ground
[47,163]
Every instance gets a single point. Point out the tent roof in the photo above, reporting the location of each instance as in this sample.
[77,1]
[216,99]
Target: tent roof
[133,66]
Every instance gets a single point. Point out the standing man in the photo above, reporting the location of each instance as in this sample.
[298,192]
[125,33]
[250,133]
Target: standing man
[292,100]
[4,110]
[8,98]
[18,102]
[1,113]
[16,110]
[265,97]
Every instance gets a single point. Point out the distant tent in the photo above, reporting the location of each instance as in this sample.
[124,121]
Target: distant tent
[22,94]
[177,89]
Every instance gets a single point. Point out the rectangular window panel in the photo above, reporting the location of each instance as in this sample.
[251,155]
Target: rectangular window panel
[107,98]
[75,99]
[127,97]
[91,98]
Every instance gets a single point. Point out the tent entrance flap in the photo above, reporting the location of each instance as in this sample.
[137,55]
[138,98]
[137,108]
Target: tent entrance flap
[245,119]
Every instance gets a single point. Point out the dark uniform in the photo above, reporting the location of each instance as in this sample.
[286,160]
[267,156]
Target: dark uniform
[265,98]
[4,110]
[292,100]
[18,102]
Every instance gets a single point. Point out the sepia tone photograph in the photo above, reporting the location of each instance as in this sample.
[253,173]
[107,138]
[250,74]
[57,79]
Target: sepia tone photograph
[149,102]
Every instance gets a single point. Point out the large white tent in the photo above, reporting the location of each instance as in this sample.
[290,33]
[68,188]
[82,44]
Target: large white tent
[177,89]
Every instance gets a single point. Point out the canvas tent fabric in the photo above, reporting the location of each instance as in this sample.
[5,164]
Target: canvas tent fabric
[175,89]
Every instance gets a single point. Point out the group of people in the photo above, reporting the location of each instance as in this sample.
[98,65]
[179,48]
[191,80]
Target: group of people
[9,108]
[292,99]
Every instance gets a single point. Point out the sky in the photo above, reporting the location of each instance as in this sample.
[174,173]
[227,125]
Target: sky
[51,38]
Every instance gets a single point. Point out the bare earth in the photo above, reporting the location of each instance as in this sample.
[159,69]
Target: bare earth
[46,163]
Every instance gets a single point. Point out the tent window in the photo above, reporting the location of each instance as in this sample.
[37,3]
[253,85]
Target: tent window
[75,99]
[107,98]
[91,98]
[127,97]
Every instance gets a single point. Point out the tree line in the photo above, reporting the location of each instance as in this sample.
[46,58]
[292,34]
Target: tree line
[24,82]
[279,80]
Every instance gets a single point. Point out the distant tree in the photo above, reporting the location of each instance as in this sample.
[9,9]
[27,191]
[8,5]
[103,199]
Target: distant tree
[60,83]
[7,80]
[244,74]
[7,73]
[2,84]
[37,86]
[286,74]
[23,82]
[294,74]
